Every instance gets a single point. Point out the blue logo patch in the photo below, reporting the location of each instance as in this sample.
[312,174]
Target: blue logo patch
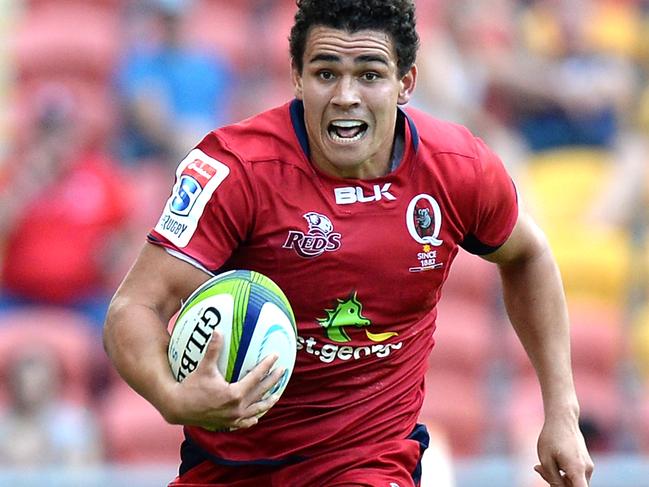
[186,195]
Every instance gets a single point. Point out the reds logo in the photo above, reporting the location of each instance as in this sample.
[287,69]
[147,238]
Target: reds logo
[319,238]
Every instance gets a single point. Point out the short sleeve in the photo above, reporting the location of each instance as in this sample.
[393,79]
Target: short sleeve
[496,209]
[210,210]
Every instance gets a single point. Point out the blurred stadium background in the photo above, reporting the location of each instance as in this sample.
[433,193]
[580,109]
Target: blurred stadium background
[99,99]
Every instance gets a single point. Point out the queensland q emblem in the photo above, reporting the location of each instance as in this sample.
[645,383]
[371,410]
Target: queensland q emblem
[185,197]
[424,220]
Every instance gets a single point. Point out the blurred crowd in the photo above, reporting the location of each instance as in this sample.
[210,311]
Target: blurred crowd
[103,98]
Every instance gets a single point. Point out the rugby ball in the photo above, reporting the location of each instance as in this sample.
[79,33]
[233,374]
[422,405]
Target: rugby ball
[252,314]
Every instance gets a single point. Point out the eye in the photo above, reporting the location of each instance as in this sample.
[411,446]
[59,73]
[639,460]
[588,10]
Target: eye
[370,76]
[325,75]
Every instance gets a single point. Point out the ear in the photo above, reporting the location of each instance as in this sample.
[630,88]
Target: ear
[408,83]
[296,77]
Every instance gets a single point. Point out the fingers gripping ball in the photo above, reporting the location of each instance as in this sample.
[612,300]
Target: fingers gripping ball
[251,313]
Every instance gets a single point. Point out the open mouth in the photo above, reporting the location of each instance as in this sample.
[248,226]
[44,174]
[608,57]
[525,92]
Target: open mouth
[347,131]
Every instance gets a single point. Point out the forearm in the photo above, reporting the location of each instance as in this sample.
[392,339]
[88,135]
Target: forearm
[536,306]
[136,341]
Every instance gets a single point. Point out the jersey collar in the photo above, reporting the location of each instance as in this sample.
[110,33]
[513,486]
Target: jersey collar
[297,119]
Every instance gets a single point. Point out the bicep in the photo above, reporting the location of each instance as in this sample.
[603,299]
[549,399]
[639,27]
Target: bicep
[525,242]
[159,281]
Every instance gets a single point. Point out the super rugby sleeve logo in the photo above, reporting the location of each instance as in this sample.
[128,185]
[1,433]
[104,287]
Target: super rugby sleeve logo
[197,177]
[319,238]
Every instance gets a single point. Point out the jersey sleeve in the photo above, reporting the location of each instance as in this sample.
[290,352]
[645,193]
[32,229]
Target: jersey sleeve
[496,209]
[210,210]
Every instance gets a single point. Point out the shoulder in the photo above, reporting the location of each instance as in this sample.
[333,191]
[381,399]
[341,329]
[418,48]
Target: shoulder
[268,136]
[438,136]
[453,149]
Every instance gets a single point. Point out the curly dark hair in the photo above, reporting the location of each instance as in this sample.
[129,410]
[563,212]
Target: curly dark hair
[395,17]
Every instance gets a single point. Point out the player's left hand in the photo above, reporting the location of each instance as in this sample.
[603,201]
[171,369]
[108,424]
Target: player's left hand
[565,461]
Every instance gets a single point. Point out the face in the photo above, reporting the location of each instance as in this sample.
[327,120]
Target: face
[350,87]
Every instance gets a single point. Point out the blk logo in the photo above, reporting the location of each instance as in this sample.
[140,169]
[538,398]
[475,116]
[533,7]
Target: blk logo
[355,194]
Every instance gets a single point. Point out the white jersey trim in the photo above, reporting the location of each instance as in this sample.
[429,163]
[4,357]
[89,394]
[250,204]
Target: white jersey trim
[189,260]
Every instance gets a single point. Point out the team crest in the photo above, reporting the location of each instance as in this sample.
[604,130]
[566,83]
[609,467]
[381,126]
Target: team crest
[424,220]
[318,239]
[424,223]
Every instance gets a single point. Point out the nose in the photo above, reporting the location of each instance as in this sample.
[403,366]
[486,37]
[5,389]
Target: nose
[346,94]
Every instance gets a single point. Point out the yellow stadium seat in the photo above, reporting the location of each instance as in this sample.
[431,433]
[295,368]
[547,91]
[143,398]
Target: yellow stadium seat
[615,28]
[561,189]
[562,185]
[595,262]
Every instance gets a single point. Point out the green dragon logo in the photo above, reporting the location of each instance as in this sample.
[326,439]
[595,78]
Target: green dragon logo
[348,312]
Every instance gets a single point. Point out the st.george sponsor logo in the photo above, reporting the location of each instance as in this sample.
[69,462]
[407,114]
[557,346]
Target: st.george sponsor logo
[328,352]
[339,320]
[320,237]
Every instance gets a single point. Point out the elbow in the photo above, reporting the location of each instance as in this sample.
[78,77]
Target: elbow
[116,310]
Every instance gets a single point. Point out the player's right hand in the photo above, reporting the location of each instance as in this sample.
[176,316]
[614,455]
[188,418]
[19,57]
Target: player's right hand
[204,398]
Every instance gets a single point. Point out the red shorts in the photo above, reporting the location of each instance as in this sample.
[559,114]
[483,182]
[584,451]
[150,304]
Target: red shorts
[390,464]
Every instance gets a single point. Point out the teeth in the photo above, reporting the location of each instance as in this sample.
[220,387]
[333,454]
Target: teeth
[355,138]
[347,123]
[347,131]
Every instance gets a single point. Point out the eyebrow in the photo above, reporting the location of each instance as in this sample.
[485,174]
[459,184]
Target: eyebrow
[364,58]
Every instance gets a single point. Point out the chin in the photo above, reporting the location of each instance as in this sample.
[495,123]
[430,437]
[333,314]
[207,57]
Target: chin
[350,153]
[347,160]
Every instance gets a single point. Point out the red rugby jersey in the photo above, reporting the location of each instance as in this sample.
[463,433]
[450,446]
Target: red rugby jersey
[361,261]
